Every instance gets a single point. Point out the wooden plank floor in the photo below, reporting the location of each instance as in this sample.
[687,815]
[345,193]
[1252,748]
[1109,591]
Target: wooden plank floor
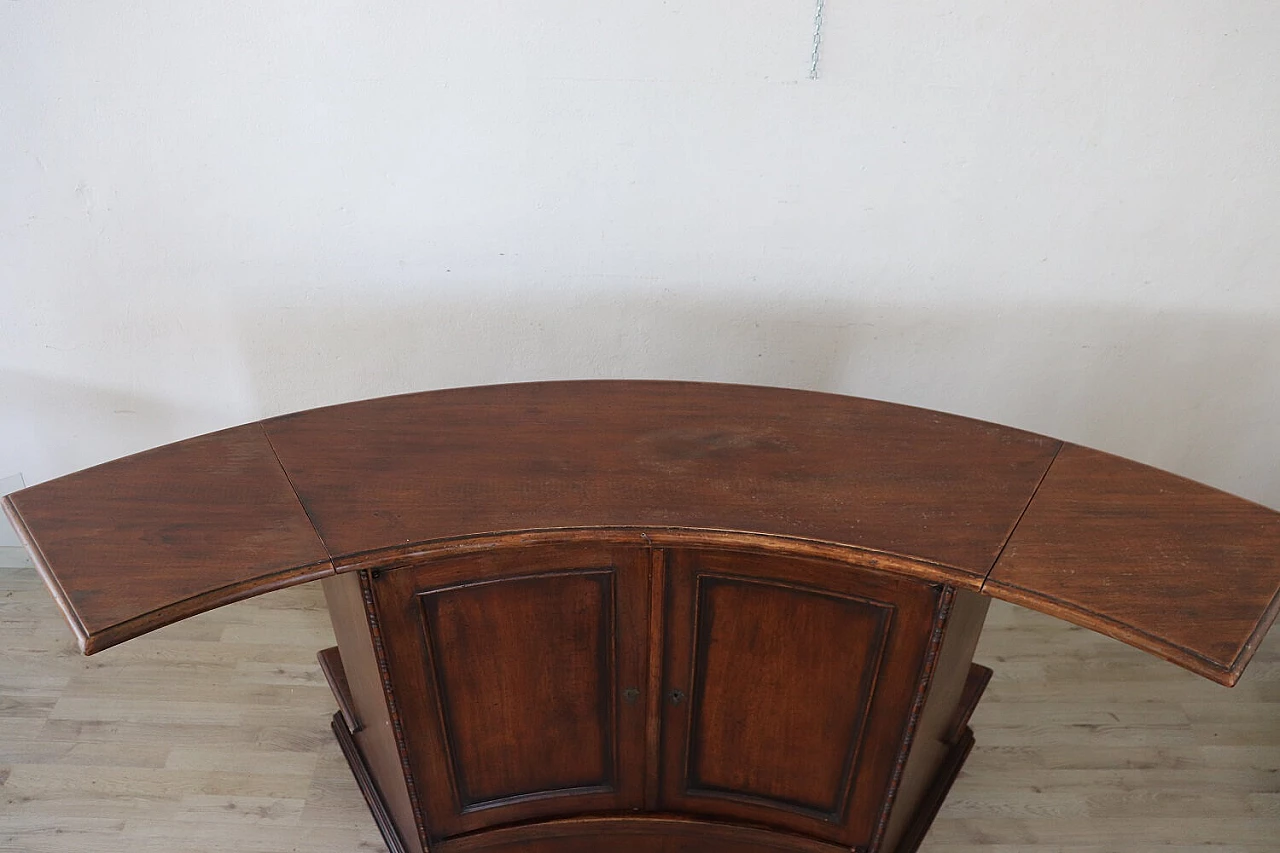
[213,735]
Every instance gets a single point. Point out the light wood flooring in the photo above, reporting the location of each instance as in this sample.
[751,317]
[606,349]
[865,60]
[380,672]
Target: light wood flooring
[213,735]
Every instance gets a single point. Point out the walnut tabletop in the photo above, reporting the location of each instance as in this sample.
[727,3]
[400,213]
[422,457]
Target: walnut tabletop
[1170,566]
[934,488]
[147,540]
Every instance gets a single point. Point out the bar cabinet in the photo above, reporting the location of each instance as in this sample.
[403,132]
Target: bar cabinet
[655,617]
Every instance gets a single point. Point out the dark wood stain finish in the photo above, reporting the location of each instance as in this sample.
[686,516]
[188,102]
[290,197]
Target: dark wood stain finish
[655,617]
[764,723]
[513,672]
[648,834]
[143,541]
[523,668]
[653,688]
[374,737]
[762,659]
[335,675]
[1171,566]
[135,544]
[936,793]
[951,696]
[937,488]
[366,783]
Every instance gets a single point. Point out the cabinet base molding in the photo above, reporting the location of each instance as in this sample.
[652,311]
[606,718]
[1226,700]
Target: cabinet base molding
[653,833]
[369,788]
[937,793]
[959,740]
[343,725]
[331,666]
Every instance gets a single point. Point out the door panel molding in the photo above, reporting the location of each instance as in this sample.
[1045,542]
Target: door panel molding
[788,689]
[522,681]
[866,623]
[459,672]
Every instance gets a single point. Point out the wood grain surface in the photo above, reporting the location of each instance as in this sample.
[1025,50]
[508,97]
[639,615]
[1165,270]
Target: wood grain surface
[147,540]
[1171,566]
[789,685]
[420,467]
[1177,569]
[510,670]
[635,834]
[374,740]
[212,736]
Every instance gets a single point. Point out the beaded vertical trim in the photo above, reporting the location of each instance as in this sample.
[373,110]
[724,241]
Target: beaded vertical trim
[917,707]
[379,650]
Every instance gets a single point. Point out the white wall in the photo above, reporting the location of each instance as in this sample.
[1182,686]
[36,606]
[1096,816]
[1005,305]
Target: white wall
[1060,216]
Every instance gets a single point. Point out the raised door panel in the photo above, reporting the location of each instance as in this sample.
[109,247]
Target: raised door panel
[772,717]
[520,682]
[789,684]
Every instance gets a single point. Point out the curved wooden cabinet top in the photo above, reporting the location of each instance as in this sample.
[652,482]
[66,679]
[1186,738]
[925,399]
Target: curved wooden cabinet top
[1170,566]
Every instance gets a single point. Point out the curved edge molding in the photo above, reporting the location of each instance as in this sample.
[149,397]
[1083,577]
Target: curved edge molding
[667,537]
[1170,566]
[131,545]
[1163,563]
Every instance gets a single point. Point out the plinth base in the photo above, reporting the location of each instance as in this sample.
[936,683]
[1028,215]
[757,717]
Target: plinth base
[961,743]
[343,724]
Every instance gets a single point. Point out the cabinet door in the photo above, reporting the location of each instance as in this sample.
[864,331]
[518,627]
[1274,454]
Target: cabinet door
[520,682]
[788,687]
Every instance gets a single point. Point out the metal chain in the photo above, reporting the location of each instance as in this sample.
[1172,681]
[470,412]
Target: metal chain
[817,39]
